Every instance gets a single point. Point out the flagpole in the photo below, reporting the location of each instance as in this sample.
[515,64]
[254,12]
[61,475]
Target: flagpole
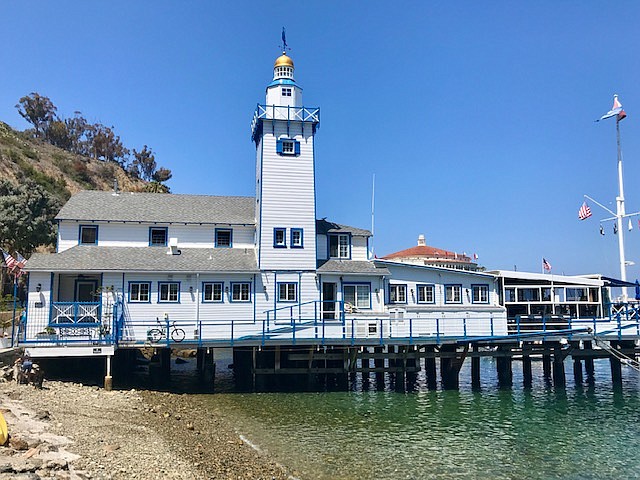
[620,215]
[13,318]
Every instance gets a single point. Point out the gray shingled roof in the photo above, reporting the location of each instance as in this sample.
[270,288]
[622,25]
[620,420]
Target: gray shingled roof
[361,267]
[145,259]
[323,227]
[158,208]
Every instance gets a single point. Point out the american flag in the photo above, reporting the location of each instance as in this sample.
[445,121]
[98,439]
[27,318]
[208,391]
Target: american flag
[21,260]
[9,261]
[584,212]
[616,111]
[546,265]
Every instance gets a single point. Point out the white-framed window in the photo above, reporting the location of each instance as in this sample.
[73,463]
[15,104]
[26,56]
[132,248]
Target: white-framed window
[88,235]
[288,147]
[139,292]
[212,291]
[426,294]
[339,246]
[397,294]
[286,91]
[241,292]
[280,237]
[357,295]
[224,238]
[288,292]
[453,294]
[480,293]
[296,238]
[168,292]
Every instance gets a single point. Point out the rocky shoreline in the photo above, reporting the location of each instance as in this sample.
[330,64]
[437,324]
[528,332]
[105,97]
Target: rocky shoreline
[73,431]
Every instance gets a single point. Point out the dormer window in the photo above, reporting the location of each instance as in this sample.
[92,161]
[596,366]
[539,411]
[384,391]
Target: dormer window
[158,236]
[339,246]
[88,235]
[224,238]
[286,91]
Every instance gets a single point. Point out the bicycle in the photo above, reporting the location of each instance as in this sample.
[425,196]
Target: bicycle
[156,335]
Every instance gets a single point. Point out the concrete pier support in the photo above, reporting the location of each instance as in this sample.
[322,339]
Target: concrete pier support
[527,377]
[430,369]
[475,368]
[577,363]
[546,363]
[365,364]
[588,362]
[449,369]
[559,379]
[504,367]
[379,364]
[165,361]
[616,366]
[108,379]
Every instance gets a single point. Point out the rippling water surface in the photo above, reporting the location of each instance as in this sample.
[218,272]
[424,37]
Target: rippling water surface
[586,431]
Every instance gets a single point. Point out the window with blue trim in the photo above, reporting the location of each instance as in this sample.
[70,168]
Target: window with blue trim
[286,91]
[169,292]
[426,294]
[224,238]
[88,235]
[357,295]
[139,292]
[339,246]
[453,294]
[212,291]
[288,292]
[296,238]
[241,292]
[397,294]
[158,236]
[280,237]
[480,293]
[287,146]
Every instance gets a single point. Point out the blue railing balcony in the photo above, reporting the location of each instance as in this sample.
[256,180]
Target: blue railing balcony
[72,314]
[283,112]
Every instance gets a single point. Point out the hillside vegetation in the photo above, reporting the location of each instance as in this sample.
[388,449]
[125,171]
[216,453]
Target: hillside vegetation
[40,168]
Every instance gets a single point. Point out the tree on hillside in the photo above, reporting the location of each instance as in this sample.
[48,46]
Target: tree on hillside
[58,134]
[144,163]
[156,187]
[27,214]
[77,129]
[106,145]
[144,166]
[38,111]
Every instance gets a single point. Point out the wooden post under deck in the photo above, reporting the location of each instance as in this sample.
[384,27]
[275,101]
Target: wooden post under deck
[475,369]
[108,379]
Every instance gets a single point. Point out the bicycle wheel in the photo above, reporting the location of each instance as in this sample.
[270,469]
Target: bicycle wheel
[154,335]
[177,335]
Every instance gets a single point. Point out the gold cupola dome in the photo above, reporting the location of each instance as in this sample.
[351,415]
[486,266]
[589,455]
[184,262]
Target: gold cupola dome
[283,61]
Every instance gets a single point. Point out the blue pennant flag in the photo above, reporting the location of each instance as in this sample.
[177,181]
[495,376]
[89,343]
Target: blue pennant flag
[284,40]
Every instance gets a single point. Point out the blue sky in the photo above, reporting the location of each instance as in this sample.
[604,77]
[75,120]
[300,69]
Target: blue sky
[477,118]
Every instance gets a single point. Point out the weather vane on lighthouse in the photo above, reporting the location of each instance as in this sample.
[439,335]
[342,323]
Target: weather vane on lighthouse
[284,45]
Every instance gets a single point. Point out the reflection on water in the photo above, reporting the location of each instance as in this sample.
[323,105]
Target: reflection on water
[583,432]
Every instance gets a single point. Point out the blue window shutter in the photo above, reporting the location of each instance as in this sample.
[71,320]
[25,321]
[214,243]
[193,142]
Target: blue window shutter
[297,147]
[279,147]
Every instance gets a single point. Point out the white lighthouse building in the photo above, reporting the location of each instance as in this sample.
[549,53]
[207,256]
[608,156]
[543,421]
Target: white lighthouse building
[206,270]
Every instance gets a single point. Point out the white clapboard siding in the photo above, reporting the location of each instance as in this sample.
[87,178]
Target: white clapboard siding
[38,303]
[359,248]
[287,199]
[115,234]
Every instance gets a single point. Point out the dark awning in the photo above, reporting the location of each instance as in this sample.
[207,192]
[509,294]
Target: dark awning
[614,282]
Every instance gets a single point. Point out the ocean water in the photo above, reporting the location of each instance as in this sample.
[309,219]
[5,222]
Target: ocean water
[584,431]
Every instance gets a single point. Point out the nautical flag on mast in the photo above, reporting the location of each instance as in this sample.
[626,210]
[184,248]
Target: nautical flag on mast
[630,225]
[284,40]
[584,212]
[546,265]
[616,111]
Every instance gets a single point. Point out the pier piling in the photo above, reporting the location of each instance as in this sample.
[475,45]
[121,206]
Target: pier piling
[475,368]
[527,376]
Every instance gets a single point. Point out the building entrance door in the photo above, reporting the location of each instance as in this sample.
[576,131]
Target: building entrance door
[328,300]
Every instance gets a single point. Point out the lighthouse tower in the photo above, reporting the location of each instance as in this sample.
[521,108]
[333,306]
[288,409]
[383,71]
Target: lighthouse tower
[284,132]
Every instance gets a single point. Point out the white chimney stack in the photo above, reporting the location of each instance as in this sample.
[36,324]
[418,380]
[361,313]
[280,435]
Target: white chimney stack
[421,242]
